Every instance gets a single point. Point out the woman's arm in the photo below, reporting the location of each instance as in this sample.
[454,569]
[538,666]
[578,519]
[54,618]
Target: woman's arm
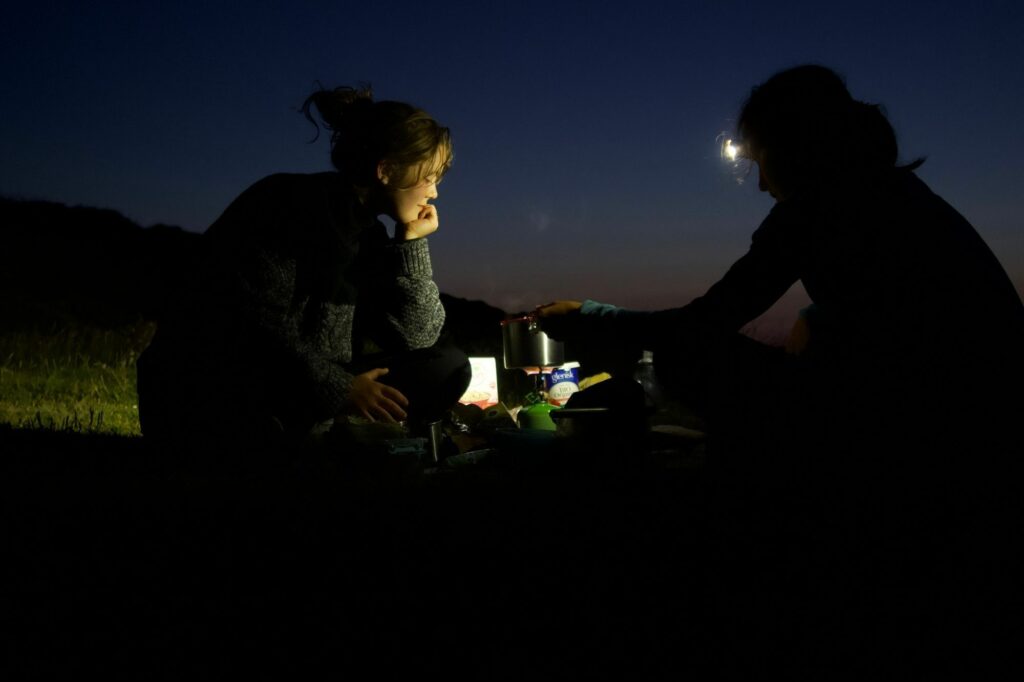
[257,287]
[401,302]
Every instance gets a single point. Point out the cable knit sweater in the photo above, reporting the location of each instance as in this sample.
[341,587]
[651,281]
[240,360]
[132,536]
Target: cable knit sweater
[294,281]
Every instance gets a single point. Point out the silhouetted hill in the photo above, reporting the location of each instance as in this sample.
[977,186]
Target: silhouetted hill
[83,265]
[69,265]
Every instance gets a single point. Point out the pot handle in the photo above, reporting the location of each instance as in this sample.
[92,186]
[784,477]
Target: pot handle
[534,326]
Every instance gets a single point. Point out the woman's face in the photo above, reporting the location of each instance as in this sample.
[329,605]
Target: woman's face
[408,196]
[408,202]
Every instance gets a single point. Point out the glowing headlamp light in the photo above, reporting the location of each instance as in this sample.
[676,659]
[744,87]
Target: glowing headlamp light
[735,155]
[730,151]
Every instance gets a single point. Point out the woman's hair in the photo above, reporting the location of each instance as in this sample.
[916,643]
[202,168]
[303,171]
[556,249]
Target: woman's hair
[365,133]
[806,119]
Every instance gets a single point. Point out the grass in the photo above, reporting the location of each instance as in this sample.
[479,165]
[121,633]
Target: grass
[72,378]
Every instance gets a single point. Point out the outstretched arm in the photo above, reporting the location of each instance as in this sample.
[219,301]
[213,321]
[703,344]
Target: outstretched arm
[749,288]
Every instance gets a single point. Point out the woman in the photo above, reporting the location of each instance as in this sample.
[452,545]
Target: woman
[915,334]
[301,308]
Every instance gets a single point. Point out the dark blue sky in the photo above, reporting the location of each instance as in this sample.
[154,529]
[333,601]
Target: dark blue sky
[586,160]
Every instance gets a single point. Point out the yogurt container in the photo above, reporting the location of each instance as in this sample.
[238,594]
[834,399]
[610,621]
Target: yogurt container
[562,382]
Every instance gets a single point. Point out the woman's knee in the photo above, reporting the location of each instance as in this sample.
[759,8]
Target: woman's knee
[433,379]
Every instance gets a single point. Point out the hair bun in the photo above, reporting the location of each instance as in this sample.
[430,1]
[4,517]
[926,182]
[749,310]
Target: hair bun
[342,110]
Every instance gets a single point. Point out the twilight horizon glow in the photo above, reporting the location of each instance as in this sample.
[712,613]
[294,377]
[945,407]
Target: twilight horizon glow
[586,162]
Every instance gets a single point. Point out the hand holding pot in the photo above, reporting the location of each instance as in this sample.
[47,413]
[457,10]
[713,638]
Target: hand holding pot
[555,318]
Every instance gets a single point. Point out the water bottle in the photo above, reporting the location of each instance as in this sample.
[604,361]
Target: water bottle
[643,373]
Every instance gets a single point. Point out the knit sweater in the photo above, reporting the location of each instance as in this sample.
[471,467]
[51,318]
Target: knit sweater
[294,281]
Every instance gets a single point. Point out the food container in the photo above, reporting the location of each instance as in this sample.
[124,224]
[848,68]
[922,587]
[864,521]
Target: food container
[483,383]
[562,382]
[525,345]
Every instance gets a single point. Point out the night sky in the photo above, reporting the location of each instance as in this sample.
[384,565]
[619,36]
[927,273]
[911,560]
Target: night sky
[585,133]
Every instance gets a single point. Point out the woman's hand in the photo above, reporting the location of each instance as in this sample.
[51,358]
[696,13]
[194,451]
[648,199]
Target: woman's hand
[426,223]
[375,400]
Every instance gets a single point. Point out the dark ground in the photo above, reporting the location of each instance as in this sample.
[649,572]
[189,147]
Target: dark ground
[121,565]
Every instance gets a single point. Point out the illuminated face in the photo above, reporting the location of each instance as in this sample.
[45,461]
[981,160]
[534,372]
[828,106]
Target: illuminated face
[408,202]
[407,196]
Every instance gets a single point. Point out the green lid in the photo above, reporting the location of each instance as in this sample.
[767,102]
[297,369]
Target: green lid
[537,416]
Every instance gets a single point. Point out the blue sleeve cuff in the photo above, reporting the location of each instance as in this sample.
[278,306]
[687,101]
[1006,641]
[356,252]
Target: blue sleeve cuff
[609,311]
[590,307]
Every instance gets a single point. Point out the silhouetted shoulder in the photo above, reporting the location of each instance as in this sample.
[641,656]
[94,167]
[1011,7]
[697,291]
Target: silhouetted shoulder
[286,208]
[964,253]
[294,184]
[287,190]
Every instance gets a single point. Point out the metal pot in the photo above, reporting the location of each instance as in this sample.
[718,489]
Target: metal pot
[525,345]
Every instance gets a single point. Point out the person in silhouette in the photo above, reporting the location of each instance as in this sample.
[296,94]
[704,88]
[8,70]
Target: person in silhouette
[301,308]
[876,465]
[915,334]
